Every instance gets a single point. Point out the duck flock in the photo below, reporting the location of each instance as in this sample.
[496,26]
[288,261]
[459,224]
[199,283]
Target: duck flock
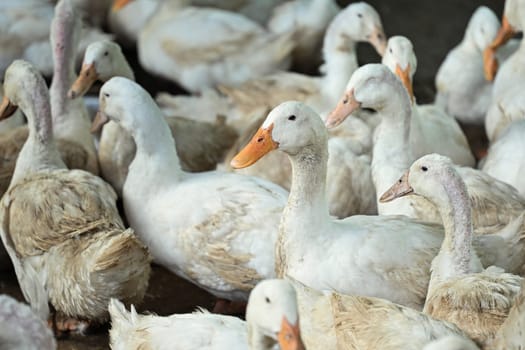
[329,211]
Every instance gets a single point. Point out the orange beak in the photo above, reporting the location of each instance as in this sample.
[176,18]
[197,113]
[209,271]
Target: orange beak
[260,144]
[344,108]
[118,4]
[99,121]
[378,40]
[404,75]
[289,336]
[490,63]
[7,109]
[400,189]
[86,78]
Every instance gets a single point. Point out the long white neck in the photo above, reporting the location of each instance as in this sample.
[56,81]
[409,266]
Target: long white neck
[307,206]
[156,164]
[340,61]
[39,151]
[456,256]
[391,153]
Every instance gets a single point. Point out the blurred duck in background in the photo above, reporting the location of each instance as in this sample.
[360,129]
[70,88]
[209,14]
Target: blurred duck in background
[200,47]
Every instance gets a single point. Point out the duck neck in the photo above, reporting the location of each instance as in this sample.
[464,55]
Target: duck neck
[63,43]
[39,151]
[391,151]
[307,205]
[156,163]
[340,61]
[258,340]
[456,254]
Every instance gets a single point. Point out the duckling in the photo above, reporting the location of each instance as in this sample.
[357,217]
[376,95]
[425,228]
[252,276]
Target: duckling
[74,253]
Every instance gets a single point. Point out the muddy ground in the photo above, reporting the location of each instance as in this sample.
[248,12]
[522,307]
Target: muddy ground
[433,26]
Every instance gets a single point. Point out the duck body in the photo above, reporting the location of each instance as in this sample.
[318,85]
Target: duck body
[309,19]
[333,321]
[231,244]
[213,236]
[504,158]
[219,52]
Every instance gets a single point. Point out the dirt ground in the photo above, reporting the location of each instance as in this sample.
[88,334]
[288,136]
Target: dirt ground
[433,26]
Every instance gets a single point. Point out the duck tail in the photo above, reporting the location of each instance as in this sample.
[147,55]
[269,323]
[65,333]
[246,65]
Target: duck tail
[123,262]
[110,262]
[122,324]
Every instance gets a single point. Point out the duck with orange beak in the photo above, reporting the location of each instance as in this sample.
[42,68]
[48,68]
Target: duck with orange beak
[431,129]
[374,86]
[507,102]
[271,319]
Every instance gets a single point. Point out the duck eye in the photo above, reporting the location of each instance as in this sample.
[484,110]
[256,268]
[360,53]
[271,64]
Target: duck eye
[106,94]
[424,168]
[267,300]
[106,53]
[359,15]
[292,117]
[390,50]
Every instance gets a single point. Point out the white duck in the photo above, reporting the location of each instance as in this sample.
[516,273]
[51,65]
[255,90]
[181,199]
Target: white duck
[309,19]
[312,246]
[271,318]
[507,105]
[21,329]
[201,47]
[74,253]
[431,129]
[358,22]
[217,230]
[497,207]
[462,90]
[129,21]
[200,145]
[460,290]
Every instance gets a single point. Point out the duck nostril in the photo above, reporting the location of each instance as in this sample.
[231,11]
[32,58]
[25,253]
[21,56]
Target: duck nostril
[380,36]
[260,139]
